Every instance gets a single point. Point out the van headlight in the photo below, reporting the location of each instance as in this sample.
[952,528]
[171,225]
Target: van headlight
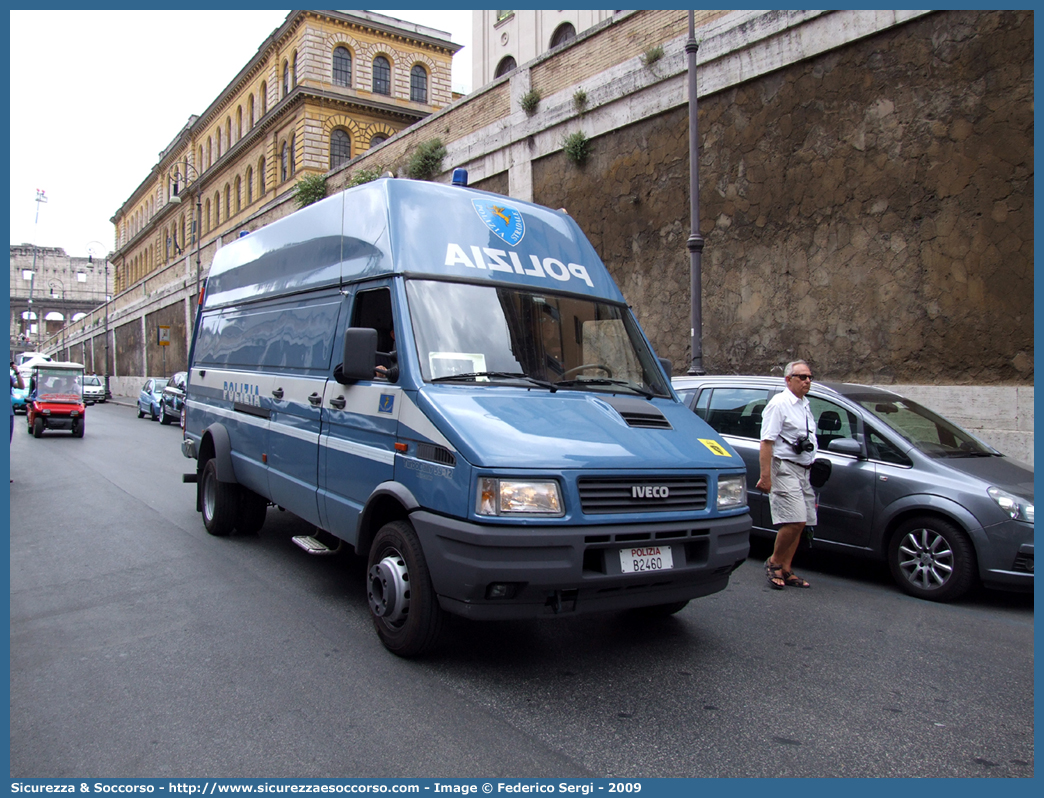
[517,497]
[1018,509]
[732,492]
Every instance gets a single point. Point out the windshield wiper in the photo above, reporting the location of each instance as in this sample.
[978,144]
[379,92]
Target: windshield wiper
[497,375]
[604,381]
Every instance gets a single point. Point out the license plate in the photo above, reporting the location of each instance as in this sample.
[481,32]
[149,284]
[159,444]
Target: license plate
[646,558]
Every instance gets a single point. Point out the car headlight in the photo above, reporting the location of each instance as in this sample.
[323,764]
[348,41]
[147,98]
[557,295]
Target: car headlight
[732,492]
[1018,509]
[517,497]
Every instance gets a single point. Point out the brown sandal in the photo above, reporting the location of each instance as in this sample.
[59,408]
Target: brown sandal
[775,574]
[791,579]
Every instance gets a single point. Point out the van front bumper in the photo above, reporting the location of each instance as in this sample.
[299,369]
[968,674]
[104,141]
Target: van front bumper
[498,572]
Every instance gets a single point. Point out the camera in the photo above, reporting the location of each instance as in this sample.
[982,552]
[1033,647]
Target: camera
[802,445]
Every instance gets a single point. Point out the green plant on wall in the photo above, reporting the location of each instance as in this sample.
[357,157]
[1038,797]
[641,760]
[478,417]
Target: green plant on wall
[529,101]
[364,176]
[577,147]
[652,55]
[426,160]
[580,100]
[309,189]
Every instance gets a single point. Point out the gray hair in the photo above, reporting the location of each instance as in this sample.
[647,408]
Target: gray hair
[790,367]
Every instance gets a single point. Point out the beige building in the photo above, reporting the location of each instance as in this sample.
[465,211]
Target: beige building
[323,88]
[503,40]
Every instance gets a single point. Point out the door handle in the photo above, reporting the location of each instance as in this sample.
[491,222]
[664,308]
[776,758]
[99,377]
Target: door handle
[315,400]
[338,403]
[278,393]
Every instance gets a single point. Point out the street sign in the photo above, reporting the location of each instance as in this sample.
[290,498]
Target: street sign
[164,335]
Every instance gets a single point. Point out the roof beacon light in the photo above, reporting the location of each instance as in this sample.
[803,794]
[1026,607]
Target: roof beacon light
[460,177]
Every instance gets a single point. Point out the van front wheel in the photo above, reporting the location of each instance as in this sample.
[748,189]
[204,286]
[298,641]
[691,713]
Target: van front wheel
[403,605]
[219,502]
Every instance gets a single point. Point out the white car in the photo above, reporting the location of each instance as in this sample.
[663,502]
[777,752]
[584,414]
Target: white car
[93,389]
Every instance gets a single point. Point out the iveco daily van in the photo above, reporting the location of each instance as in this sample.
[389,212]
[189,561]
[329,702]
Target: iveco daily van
[450,383]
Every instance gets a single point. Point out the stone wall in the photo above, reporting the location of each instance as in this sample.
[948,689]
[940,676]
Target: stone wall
[870,210]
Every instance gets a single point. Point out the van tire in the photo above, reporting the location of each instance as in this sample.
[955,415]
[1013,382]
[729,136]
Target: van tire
[932,559]
[413,631]
[219,501]
[252,512]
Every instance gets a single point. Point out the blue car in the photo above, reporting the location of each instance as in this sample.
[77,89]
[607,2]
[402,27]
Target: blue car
[150,397]
[18,398]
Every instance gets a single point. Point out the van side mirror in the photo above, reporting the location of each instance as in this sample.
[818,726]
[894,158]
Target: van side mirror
[667,365]
[359,359]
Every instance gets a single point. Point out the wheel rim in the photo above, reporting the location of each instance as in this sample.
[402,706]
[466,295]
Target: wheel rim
[926,558]
[389,591]
[209,498]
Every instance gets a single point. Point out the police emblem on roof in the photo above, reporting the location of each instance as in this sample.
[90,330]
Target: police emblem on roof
[505,222]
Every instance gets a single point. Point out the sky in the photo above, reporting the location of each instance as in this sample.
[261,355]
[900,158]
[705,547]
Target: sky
[88,130]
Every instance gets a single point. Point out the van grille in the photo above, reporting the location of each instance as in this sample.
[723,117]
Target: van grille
[621,495]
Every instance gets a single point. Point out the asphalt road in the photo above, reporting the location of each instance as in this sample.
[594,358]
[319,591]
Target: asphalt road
[141,646]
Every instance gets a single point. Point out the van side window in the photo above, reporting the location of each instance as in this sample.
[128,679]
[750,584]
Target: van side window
[734,411]
[374,309]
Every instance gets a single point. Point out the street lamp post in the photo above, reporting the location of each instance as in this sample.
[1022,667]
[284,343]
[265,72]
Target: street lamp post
[176,176]
[50,284]
[97,248]
[695,242]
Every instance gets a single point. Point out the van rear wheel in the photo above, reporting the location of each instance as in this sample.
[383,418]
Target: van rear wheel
[403,605]
[219,502]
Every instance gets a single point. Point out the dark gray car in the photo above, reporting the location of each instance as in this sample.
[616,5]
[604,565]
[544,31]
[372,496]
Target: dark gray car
[942,507]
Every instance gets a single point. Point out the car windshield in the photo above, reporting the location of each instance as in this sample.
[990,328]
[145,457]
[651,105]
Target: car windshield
[500,335]
[91,381]
[928,432]
[58,382]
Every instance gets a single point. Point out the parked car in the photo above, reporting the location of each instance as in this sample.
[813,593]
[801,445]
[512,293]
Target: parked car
[93,389]
[172,398]
[942,507]
[149,397]
[19,396]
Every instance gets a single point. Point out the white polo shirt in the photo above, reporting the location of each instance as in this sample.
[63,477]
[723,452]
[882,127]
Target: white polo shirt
[787,419]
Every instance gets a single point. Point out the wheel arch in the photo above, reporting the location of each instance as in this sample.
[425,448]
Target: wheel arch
[389,501]
[933,507]
[214,444]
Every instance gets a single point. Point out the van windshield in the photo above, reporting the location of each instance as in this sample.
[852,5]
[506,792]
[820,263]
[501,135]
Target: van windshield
[503,335]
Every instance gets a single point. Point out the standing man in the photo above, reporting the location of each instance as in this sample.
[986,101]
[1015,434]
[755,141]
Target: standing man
[788,449]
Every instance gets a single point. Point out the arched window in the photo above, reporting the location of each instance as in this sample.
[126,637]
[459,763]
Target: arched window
[206,217]
[228,133]
[250,185]
[342,67]
[217,142]
[239,123]
[283,164]
[210,160]
[293,72]
[250,111]
[507,63]
[264,98]
[239,194]
[286,78]
[378,139]
[340,148]
[563,33]
[228,201]
[199,163]
[261,188]
[217,208]
[381,75]
[293,155]
[418,84]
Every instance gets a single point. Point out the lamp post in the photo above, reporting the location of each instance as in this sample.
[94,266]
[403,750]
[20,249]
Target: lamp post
[50,284]
[97,248]
[695,242]
[179,176]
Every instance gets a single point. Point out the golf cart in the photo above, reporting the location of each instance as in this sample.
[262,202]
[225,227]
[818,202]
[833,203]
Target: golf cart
[56,398]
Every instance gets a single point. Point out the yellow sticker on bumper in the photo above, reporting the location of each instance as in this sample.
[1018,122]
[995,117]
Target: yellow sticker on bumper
[715,447]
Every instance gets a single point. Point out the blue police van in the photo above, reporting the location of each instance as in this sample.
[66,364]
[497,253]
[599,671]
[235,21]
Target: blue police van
[449,383]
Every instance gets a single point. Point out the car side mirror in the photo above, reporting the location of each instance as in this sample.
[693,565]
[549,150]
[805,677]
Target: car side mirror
[667,366]
[359,359]
[848,446]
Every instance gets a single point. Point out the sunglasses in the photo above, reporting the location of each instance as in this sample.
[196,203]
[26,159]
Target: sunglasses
[801,377]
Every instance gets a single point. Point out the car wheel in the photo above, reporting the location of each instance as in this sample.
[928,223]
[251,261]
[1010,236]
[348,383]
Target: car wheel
[164,418]
[219,502]
[403,605]
[154,412]
[38,427]
[141,413]
[183,416]
[79,428]
[932,559]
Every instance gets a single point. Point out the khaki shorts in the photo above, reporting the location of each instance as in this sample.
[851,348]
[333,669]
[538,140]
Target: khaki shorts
[791,499]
